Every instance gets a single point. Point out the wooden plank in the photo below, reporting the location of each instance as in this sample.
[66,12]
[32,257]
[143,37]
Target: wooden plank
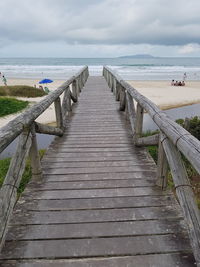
[93,193]
[122,183]
[54,158]
[95,203]
[64,164]
[182,259]
[75,248]
[101,176]
[95,230]
[64,170]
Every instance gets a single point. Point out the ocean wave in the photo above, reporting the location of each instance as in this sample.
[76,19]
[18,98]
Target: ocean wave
[127,71]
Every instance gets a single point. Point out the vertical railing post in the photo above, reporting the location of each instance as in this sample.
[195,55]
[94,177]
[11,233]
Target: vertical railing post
[131,111]
[122,94]
[112,83]
[184,193]
[34,156]
[117,95]
[8,192]
[162,167]
[139,122]
[74,89]
[79,84]
[58,111]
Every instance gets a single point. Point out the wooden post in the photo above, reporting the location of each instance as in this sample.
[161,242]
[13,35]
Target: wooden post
[131,111]
[184,193]
[74,89]
[122,103]
[110,80]
[139,122]
[64,104]
[8,192]
[34,156]
[162,167]
[118,87]
[69,103]
[112,83]
[114,86]
[58,110]
[79,83]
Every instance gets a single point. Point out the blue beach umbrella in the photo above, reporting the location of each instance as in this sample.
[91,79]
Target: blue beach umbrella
[46,81]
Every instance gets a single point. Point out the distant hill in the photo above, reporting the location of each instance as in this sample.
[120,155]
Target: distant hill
[138,56]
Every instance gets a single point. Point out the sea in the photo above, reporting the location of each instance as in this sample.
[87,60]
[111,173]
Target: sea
[155,68]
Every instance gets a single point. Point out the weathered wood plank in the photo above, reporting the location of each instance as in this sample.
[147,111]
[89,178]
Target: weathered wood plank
[101,176]
[64,164]
[116,246]
[95,230]
[93,193]
[164,260]
[95,203]
[95,170]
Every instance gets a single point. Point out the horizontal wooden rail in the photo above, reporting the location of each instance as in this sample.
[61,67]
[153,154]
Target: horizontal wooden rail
[26,128]
[10,131]
[173,140]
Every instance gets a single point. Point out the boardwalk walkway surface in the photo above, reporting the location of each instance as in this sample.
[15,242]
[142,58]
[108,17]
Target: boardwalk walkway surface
[97,204]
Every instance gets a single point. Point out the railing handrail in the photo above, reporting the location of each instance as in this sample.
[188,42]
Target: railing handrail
[13,128]
[25,127]
[177,134]
[172,140]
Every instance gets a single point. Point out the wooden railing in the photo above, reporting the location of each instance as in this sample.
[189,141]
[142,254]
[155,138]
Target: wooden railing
[172,140]
[26,128]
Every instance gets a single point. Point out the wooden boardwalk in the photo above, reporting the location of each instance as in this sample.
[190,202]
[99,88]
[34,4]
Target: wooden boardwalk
[97,204]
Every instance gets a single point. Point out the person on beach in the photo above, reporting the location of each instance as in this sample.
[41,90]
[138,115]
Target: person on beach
[184,76]
[4,80]
[172,82]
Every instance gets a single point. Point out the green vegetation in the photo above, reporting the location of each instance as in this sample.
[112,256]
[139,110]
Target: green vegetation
[4,165]
[193,126]
[21,91]
[11,105]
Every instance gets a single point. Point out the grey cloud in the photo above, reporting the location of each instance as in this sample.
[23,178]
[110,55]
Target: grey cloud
[159,22]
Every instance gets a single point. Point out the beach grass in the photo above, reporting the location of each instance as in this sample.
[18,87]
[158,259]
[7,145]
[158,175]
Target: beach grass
[21,91]
[11,105]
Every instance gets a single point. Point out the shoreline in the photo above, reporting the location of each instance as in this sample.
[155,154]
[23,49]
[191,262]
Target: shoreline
[161,93]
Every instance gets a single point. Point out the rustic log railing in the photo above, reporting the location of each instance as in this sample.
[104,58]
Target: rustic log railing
[172,141]
[26,128]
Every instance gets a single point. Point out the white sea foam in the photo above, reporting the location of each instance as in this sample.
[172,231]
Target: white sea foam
[156,69]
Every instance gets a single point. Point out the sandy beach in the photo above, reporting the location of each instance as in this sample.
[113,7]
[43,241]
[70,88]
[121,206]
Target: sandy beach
[160,92]
[166,96]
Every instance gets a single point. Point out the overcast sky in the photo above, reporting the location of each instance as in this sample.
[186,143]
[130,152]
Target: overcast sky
[99,28]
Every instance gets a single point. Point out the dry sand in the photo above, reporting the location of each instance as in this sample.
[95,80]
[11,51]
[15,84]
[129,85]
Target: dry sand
[166,96]
[160,92]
